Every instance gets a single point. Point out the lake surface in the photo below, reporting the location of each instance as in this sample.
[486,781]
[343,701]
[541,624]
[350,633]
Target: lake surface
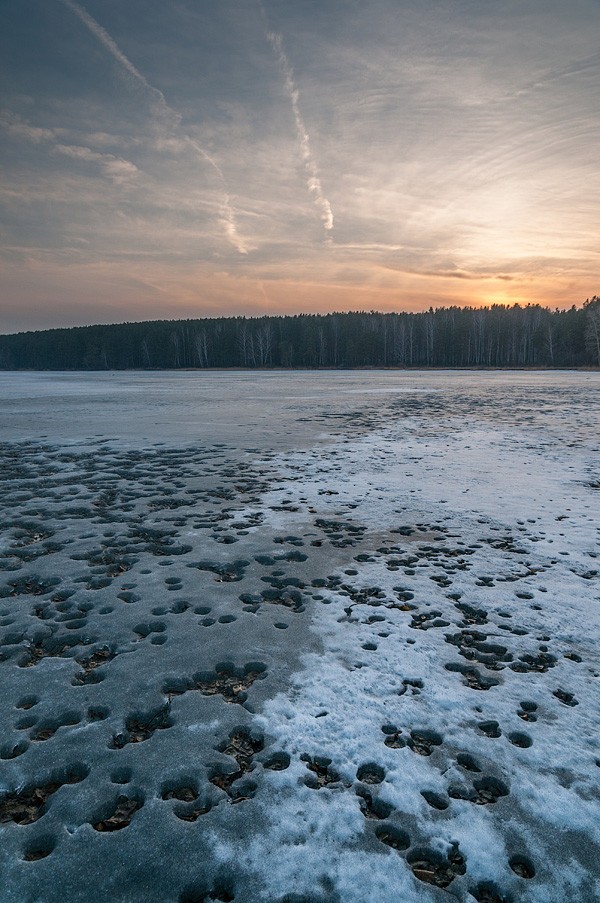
[326,636]
[281,407]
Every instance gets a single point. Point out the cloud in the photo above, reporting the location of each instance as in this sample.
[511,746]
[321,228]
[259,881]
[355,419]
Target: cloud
[166,114]
[115,168]
[312,170]
[450,273]
[15,126]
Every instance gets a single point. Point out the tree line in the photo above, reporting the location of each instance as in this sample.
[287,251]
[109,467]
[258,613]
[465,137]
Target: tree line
[495,336]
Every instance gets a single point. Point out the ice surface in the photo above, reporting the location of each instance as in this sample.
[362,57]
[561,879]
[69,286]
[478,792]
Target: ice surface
[300,637]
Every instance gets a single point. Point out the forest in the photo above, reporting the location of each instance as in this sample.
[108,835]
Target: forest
[495,336]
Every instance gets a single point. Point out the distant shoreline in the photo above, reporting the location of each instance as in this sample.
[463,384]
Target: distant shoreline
[465,338]
[418,369]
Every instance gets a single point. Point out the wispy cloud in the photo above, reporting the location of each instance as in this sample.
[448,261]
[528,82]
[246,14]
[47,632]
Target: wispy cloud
[115,168]
[168,118]
[313,178]
[15,126]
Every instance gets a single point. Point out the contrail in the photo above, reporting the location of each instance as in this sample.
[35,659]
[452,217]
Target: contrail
[312,171]
[227,214]
[104,37]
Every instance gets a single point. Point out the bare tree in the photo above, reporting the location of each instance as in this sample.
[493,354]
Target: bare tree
[201,343]
[264,344]
[243,343]
[174,339]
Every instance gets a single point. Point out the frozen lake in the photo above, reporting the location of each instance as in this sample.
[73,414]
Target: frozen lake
[291,637]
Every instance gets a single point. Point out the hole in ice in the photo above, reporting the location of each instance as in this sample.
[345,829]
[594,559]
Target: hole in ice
[462,792]
[541,662]
[422,741]
[182,789]
[178,607]
[472,615]
[392,836]
[129,597]
[31,585]
[321,774]
[487,892]
[393,740]
[573,657]
[277,761]
[13,750]
[467,762]
[48,727]
[472,677]
[89,664]
[191,812]
[522,866]
[431,867]
[226,680]
[39,848]
[435,800]
[50,647]
[25,723]
[288,598]
[527,710]
[389,729]
[414,684]
[524,741]
[490,729]
[372,807]
[98,713]
[370,773]
[489,790]
[242,745]
[140,727]
[223,573]
[565,697]
[28,805]
[144,630]
[121,813]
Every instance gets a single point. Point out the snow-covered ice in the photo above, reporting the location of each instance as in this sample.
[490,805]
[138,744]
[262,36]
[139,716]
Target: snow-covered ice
[325,637]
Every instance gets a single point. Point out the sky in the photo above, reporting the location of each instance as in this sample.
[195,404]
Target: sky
[189,158]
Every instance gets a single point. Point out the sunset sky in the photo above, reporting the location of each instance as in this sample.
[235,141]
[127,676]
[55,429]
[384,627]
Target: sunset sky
[186,158]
